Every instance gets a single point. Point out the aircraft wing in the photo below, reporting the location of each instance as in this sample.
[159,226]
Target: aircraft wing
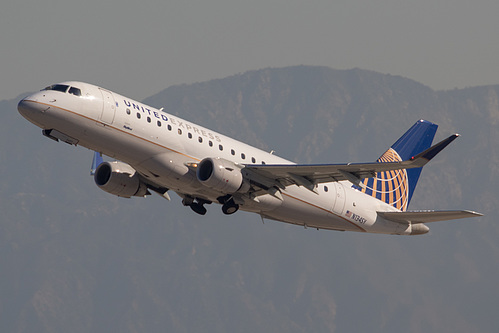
[309,175]
[427,216]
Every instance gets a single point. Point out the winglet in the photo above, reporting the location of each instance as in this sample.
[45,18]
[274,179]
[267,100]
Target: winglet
[435,149]
[96,162]
[431,152]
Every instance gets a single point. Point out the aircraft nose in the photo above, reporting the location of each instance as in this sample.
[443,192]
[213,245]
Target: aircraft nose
[24,107]
[29,106]
[31,109]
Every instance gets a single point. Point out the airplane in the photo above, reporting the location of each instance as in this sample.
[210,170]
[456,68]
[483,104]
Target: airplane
[153,150]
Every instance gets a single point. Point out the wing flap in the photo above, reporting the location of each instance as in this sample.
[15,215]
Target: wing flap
[427,216]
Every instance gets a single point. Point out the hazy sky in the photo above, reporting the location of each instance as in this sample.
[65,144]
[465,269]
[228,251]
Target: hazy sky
[138,48]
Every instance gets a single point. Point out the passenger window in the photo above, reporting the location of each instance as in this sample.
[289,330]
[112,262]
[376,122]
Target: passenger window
[138,115]
[75,91]
[210,143]
[253,160]
[159,123]
[189,135]
[148,119]
[128,111]
[200,139]
[243,156]
[263,162]
[326,189]
[169,127]
[179,131]
[220,147]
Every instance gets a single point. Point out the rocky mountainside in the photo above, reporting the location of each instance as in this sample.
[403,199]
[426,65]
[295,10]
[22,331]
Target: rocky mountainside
[77,259]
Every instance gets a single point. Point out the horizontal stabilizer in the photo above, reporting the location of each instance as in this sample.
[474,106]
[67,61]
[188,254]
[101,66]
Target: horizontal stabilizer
[426,216]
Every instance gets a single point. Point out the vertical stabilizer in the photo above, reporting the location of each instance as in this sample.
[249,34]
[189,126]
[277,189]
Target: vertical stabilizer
[396,187]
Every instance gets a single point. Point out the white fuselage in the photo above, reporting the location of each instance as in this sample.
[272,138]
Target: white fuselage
[161,146]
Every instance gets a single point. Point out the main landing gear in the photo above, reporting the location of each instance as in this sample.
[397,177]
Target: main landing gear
[197,206]
[228,205]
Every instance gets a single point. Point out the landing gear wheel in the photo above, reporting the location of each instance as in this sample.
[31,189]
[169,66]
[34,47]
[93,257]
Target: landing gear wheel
[198,208]
[230,207]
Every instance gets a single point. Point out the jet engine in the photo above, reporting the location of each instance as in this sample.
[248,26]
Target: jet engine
[120,179]
[221,175]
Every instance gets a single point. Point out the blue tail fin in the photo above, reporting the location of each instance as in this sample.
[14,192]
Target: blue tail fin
[396,187]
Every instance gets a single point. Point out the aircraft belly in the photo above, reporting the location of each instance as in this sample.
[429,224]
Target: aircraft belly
[303,207]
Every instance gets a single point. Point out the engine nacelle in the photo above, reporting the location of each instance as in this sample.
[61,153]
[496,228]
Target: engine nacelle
[221,175]
[120,179]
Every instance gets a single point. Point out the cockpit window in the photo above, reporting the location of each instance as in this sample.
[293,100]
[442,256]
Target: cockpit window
[64,88]
[75,91]
[58,87]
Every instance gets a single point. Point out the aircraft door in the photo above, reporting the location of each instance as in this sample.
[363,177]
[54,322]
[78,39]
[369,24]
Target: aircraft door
[339,202]
[108,106]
